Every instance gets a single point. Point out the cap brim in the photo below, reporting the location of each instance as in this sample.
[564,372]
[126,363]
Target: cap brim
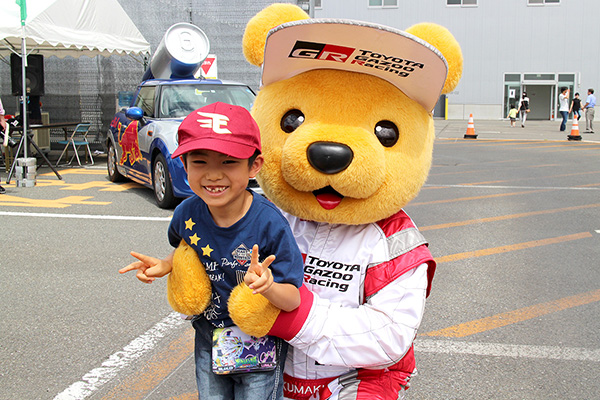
[412,65]
[235,150]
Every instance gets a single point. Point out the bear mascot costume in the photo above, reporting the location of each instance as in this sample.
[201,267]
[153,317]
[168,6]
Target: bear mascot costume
[345,113]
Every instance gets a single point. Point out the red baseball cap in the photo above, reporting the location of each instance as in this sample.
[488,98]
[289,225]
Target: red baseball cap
[220,127]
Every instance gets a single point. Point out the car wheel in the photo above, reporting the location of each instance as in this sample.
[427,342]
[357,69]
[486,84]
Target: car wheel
[111,164]
[161,181]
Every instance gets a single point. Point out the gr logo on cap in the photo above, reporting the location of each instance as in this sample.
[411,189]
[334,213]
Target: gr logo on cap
[220,127]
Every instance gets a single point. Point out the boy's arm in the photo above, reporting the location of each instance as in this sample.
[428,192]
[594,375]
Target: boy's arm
[148,268]
[259,278]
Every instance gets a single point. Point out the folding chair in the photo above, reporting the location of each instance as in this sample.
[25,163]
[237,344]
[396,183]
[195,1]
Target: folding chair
[78,138]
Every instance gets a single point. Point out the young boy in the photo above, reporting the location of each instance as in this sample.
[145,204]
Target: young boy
[576,106]
[220,148]
[512,114]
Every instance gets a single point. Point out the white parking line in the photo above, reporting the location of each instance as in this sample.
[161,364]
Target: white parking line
[507,350]
[85,216]
[96,378]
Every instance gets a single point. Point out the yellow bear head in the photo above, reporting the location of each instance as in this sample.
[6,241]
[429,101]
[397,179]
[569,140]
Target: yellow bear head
[345,111]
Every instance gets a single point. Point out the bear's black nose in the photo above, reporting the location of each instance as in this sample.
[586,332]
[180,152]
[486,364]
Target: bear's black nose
[328,157]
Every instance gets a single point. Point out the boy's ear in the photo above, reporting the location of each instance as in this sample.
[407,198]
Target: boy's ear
[182,158]
[256,166]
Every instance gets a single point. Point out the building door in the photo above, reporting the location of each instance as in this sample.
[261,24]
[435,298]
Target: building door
[540,101]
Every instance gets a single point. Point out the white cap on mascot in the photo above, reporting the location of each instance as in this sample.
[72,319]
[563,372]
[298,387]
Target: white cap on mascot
[414,66]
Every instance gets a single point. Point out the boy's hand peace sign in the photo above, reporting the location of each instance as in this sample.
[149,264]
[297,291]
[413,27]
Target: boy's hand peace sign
[148,268]
[259,277]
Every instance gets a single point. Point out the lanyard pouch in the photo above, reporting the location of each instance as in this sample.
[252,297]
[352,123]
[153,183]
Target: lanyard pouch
[235,352]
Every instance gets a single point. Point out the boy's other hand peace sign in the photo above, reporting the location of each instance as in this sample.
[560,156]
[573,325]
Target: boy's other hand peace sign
[259,277]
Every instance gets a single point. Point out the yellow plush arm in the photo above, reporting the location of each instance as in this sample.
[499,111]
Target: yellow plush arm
[252,313]
[188,285]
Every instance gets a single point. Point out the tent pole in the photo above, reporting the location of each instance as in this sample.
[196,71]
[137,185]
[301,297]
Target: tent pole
[24,87]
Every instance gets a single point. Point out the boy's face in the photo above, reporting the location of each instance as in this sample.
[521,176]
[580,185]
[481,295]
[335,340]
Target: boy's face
[218,179]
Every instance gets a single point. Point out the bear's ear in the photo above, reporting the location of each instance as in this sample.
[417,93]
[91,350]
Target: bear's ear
[257,28]
[441,38]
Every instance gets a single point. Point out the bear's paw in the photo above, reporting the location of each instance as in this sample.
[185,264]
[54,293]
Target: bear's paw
[252,313]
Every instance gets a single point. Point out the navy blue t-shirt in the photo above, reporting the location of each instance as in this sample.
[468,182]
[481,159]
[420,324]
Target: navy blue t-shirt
[225,252]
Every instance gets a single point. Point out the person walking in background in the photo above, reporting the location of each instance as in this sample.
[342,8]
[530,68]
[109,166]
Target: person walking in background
[523,108]
[588,109]
[512,114]
[576,106]
[563,100]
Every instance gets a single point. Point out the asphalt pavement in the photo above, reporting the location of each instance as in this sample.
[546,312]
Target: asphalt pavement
[512,217]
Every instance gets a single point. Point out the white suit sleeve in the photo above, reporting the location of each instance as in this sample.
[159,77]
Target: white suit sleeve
[374,335]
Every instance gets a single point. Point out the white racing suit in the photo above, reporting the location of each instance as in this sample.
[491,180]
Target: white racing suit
[352,336]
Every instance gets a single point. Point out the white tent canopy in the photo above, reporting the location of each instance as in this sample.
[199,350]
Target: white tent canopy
[70,28]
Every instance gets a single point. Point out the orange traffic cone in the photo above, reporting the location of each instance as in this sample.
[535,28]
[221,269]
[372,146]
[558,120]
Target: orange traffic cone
[574,130]
[470,129]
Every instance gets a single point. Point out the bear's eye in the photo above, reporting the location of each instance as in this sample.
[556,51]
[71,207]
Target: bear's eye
[387,133]
[292,120]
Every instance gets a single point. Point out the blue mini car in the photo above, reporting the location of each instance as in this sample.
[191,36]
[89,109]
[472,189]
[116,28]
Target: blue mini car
[142,138]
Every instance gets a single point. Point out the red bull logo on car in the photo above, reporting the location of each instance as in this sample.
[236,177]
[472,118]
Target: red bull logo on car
[128,140]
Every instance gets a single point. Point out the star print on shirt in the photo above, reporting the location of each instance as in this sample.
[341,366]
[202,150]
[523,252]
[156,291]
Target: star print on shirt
[194,239]
[189,224]
[206,250]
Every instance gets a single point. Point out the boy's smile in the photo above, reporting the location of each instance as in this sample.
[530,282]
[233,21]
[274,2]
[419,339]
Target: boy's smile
[213,189]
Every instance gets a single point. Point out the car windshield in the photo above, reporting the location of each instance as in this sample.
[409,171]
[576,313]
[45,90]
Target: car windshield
[179,100]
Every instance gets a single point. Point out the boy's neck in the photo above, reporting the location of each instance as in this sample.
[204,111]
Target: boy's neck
[225,217]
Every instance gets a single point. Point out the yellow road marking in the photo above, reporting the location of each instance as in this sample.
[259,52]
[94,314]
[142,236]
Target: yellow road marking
[87,185]
[566,146]
[505,217]
[486,144]
[14,201]
[573,149]
[77,171]
[185,396]
[105,186]
[512,247]
[512,317]
[156,370]
[489,196]
[121,187]
[491,141]
[44,183]
[509,142]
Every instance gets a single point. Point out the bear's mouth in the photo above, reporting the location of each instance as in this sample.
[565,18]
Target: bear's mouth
[328,197]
